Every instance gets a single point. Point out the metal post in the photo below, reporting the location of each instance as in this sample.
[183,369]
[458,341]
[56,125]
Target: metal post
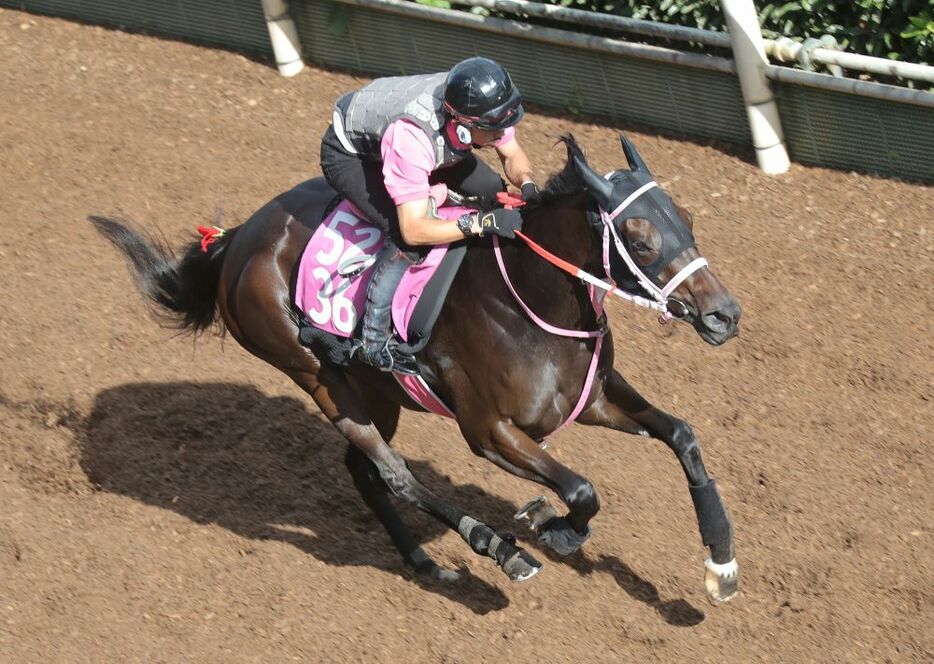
[751,64]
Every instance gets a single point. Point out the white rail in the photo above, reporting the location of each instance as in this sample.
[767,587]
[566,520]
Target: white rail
[597,20]
[782,49]
[549,35]
[785,52]
[850,86]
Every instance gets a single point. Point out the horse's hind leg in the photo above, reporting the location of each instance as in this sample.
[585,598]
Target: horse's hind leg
[376,495]
[621,407]
[343,406]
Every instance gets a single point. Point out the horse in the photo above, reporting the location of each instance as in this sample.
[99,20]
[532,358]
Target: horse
[509,381]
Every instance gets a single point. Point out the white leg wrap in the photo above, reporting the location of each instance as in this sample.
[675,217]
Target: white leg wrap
[724,571]
[465,526]
[495,541]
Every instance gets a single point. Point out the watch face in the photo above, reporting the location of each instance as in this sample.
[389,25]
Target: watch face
[464,224]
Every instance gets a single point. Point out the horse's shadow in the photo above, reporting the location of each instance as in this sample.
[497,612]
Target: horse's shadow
[264,468]
[678,612]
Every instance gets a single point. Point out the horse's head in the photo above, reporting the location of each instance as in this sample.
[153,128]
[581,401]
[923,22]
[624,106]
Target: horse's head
[649,244]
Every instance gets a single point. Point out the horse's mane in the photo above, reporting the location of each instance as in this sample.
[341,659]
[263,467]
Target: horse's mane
[567,181]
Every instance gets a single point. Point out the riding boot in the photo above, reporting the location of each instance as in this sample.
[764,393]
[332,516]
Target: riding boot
[377,348]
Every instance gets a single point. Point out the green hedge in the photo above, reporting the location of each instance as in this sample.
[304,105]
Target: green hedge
[896,29]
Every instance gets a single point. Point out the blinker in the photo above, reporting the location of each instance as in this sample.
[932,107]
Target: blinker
[656,207]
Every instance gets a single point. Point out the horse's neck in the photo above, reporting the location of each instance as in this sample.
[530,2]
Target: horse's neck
[551,293]
[563,230]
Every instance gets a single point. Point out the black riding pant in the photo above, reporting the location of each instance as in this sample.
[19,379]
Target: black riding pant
[361,181]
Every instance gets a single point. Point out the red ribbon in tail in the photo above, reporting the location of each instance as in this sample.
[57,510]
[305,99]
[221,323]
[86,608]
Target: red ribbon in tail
[208,235]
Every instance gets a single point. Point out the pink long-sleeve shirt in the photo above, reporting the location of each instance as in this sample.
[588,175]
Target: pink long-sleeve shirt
[408,159]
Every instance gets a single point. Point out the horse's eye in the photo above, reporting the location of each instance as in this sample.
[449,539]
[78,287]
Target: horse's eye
[639,247]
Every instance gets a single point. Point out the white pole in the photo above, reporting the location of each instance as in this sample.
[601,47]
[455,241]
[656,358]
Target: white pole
[751,64]
[284,37]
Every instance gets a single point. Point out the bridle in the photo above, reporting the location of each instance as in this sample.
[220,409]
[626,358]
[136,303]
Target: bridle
[660,297]
[641,198]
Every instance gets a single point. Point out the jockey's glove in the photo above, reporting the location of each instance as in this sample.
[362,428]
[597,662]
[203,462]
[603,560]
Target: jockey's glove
[530,192]
[500,222]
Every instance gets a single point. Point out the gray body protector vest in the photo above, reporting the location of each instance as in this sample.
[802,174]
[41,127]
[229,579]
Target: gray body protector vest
[362,117]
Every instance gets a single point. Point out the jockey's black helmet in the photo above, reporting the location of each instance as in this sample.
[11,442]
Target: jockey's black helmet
[479,93]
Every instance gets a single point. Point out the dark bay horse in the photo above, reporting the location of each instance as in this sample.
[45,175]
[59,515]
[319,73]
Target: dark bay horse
[509,382]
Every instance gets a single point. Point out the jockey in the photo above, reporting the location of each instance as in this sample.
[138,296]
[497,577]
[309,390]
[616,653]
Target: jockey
[391,140]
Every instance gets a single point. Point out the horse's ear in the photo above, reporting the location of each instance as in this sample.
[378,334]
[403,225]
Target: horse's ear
[632,155]
[600,188]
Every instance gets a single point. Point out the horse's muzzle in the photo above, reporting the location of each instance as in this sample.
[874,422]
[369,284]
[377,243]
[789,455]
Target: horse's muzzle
[720,325]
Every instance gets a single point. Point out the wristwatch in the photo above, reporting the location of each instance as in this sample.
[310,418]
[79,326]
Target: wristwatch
[465,224]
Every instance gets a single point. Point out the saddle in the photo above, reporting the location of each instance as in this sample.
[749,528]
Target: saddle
[335,270]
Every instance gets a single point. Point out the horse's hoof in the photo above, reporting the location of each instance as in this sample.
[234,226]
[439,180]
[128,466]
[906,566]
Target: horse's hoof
[444,575]
[721,581]
[522,566]
[428,567]
[559,535]
[435,572]
[536,512]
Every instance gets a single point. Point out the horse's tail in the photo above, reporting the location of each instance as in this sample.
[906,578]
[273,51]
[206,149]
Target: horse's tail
[185,289]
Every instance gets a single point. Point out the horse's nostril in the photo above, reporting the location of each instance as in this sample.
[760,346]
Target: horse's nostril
[718,321]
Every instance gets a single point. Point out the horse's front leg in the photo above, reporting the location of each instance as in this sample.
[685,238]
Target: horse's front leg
[621,407]
[511,449]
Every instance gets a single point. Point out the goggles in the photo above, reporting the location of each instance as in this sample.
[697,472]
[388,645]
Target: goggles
[499,118]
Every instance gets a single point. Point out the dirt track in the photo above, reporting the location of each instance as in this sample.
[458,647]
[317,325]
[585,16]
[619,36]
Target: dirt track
[164,500]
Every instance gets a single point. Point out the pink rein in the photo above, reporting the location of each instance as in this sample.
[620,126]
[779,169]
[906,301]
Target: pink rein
[596,300]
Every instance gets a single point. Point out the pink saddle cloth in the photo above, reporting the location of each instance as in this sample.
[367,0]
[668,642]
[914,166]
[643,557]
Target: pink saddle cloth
[337,265]
[335,270]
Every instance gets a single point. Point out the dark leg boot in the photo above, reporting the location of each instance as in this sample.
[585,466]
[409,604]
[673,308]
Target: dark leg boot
[377,349]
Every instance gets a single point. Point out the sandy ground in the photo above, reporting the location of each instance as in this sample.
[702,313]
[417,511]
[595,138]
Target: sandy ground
[166,500]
